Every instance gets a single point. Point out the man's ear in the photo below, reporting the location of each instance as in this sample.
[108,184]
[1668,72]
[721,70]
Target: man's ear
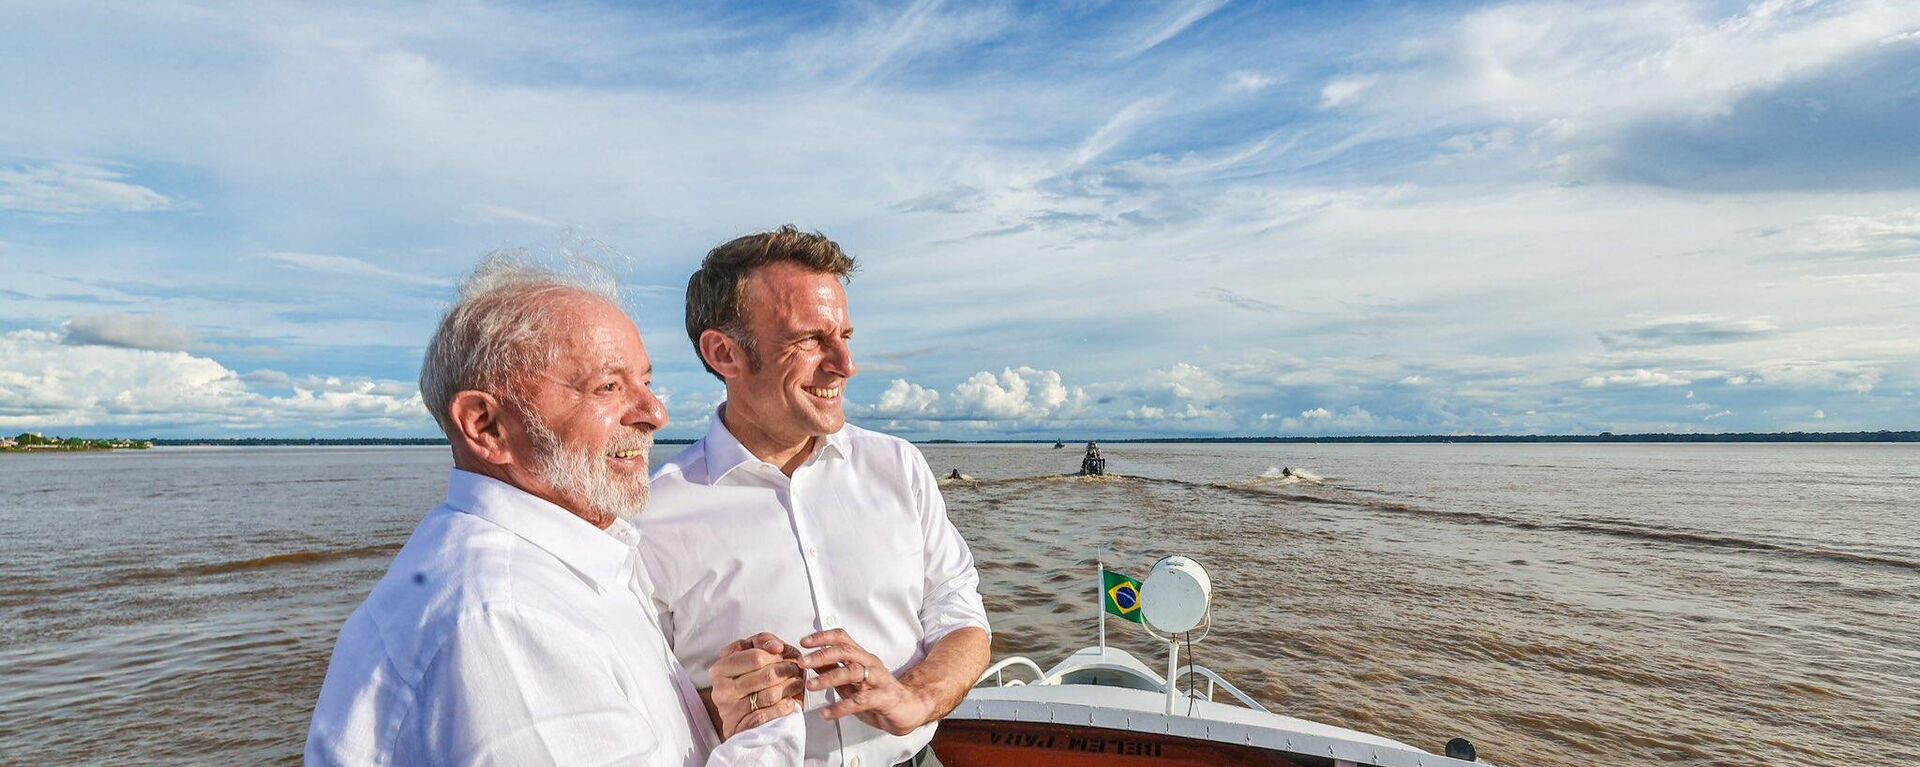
[723,354]
[479,423]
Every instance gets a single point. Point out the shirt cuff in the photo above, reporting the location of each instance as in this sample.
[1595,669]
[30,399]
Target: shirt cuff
[954,611]
[779,743]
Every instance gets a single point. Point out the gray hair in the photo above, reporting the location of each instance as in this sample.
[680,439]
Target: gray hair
[501,329]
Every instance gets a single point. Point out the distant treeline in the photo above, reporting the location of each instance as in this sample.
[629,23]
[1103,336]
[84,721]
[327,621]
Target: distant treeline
[1776,436]
[328,442]
[312,441]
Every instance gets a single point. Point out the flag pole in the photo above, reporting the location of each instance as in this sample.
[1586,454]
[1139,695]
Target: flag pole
[1100,600]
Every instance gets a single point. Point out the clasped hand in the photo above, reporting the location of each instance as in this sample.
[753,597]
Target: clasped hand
[759,679]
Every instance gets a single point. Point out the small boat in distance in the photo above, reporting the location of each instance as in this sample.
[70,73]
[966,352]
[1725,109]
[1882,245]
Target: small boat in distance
[1057,444]
[1093,465]
[1102,707]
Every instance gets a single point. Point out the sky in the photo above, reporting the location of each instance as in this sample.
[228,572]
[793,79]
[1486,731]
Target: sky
[1074,219]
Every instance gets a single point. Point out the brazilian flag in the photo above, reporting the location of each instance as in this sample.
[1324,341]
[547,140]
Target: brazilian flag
[1122,595]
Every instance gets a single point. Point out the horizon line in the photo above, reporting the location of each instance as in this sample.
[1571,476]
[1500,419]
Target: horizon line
[1881,435]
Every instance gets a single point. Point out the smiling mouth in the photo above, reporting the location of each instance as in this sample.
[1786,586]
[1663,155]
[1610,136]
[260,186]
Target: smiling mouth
[626,454]
[823,392]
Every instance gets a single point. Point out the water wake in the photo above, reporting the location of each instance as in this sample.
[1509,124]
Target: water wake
[289,559]
[1290,492]
[1288,476]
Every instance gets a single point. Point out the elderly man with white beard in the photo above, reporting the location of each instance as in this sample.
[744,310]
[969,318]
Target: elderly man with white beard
[514,628]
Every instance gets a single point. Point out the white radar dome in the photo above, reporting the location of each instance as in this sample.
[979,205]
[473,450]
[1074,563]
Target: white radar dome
[1175,595]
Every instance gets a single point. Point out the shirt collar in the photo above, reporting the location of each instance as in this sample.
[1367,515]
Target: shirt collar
[601,556]
[725,453]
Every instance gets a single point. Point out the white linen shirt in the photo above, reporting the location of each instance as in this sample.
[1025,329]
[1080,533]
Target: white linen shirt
[857,539]
[509,631]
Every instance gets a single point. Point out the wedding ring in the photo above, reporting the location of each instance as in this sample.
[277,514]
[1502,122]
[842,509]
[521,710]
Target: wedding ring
[865,671]
[753,701]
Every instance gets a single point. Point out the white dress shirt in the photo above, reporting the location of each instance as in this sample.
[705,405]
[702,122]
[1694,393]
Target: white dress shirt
[857,539]
[510,632]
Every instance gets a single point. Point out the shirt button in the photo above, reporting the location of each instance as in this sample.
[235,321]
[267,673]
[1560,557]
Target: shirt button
[813,552]
[830,622]
[854,762]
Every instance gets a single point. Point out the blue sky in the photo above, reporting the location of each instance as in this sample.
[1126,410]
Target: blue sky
[1080,219]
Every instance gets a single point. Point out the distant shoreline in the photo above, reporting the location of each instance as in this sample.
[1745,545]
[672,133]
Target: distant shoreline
[1791,436]
[1784,436]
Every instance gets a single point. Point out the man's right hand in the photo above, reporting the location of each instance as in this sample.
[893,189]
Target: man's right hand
[755,680]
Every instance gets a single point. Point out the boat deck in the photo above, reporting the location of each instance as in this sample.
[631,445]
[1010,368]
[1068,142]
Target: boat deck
[1103,707]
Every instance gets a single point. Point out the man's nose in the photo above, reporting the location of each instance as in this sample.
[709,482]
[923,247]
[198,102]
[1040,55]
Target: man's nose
[647,411]
[839,359]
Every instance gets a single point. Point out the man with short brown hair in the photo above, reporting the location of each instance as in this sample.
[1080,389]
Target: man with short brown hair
[806,527]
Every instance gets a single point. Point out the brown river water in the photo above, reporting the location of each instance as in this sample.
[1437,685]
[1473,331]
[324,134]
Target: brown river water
[1559,605]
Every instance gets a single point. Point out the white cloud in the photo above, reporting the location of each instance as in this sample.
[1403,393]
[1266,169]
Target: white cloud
[1721,414]
[76,188]
[1116,129]
[1176,19]
[1342,91]
[905,400]
[1244,81]
[1319,420]
[1685,330]
[1016,393]
[1819,414]
[1892,233]
[690,411]
[1025,398]
[1188,383]
[348,267]
[1434,298]
[488,212]
[1639,377]
[46,384]
[1813,374]
[1461,146]
[127,331]
[1582,66]
[879,44]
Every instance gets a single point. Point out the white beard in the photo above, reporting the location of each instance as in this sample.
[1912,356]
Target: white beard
[587,476]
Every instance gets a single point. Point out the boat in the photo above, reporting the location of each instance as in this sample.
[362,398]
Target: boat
[1093,465]
[1057,444]
[1103,707]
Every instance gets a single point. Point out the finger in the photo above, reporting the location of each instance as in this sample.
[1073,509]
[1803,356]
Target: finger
[768,676]
[856,703]
[733,647]
[740,663]
[839,655]
[764,641]
[828,637]
[791,689]
[756,718]
[767,642]
[840,676]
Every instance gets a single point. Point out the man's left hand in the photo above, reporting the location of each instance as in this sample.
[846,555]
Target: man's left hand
[867,689]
